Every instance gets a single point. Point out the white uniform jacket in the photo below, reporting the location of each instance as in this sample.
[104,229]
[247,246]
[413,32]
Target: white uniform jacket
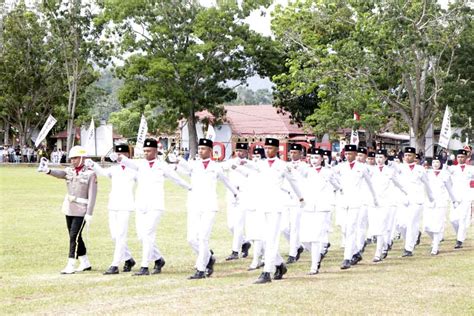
[123,184]
[150,193]
[351,180]
[415,182]
[461,182]
[383,180]
[203,196]
[319,188]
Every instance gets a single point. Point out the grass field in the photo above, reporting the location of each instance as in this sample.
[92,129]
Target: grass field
[33,249]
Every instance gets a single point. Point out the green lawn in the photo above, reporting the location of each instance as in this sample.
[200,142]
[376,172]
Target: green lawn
[33,249]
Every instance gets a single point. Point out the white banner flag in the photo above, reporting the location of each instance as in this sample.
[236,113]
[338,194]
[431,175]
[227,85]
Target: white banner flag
[45,130]
[354,138]
[90,139]
[142,130]
[445,133]
[211,133]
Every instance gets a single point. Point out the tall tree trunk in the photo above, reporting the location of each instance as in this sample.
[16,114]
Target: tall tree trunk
[192,134]
[6,136]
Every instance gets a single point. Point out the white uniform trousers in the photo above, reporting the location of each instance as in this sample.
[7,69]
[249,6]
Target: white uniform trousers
[392,223]
[362,225]
[409,224]
[199,232]
[291,228]
[118,224]
[146,223]
[460,219]
[272,240]
[236,223]
[350,233]
[254,231]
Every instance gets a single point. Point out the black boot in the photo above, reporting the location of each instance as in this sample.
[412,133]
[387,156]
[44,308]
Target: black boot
[280,271]
[299,252]
[458,244]
[346,264]
[356,259]
[142,271]
[127,267]
[407,253]
[160,263]
[245,249]
[112,270]
[418,239]
[210,266]
[233,256]
[291,260]
[264,278]
[197,275]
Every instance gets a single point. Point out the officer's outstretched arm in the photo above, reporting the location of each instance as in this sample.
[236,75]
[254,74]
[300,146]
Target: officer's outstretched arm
[60,174]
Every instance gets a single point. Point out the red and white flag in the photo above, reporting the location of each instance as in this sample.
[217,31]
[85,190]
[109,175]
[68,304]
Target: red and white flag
[355,134]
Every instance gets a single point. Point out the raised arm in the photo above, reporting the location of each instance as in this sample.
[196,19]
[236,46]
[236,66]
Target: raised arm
[92,194]
[127,162]
[60,174]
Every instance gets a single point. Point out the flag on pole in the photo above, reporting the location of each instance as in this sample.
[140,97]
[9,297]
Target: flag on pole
[142,131]
[355,133]
[89,142]
[211,133]
[445,134]
[45,130]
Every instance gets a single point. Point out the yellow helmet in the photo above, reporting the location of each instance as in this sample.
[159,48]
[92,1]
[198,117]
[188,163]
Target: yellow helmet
[77,151]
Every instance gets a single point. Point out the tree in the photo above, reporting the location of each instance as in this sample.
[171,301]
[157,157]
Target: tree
[246,96]
[398,54]
[182,54]
[75,34]
[30,88]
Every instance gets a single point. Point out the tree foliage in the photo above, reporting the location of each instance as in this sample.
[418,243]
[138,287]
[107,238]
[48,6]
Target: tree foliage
[375,57]
[30,88]
[181,54]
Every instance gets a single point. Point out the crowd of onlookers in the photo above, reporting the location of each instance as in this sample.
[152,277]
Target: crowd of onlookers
[28,154]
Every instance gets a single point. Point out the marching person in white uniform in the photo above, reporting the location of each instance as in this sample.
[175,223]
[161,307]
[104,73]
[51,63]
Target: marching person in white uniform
[255,217]
[414,180]
[273,172]
[461,174]
[383,176]
[237,208]
[319,190]
[435,217]
[362,218]
[121,204]
[202,204]
[352,174]
[291,218]
[150,201]
[78,205]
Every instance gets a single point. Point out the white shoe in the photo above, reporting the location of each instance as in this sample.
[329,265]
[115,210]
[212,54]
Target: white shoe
[69,269]
[84,265]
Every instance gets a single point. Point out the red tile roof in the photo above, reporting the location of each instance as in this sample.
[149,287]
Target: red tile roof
[247,120]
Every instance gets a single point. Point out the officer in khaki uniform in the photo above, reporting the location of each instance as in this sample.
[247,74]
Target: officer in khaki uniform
[78,204]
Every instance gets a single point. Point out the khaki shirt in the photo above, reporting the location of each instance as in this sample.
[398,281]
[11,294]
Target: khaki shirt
[81,190]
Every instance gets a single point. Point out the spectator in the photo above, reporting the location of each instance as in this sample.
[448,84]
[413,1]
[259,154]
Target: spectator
[24,152]
[29,154]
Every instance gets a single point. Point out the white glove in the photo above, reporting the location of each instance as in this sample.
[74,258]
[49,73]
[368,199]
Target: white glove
[172,158]
[43,166]
[88,218]
[113,156]
[89,163]
[455,204]
[302,203]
